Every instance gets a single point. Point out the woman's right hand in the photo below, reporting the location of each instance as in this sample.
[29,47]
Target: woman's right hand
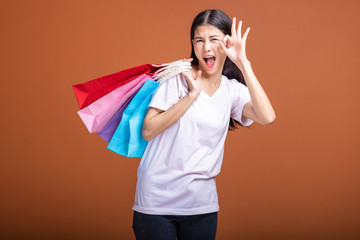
[156,121]
[193,83]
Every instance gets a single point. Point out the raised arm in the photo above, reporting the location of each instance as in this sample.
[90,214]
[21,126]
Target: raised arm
[259,109]
[157,121]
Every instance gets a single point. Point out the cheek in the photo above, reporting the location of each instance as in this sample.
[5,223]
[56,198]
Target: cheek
[217,47]
[197,51]
[219,52]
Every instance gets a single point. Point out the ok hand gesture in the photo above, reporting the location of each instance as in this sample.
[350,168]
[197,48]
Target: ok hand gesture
[234,46]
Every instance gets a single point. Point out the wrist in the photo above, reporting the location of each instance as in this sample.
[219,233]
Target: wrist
[243,64]
[193,95]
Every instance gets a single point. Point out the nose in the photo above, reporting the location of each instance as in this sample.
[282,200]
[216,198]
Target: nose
[206,46]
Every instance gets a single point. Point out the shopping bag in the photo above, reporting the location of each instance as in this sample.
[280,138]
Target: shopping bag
[127,139]
[96,115]
[88,92]
[108,131]
[109,107]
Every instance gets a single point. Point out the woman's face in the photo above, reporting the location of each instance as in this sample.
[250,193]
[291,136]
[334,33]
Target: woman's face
[207,48]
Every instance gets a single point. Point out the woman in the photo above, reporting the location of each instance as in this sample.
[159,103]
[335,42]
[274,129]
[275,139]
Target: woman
[186,126]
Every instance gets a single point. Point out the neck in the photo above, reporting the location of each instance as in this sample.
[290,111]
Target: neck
[212,79]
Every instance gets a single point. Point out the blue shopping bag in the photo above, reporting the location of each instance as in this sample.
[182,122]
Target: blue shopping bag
[127,139]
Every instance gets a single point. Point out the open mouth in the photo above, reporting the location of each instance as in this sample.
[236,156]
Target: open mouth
[209,61]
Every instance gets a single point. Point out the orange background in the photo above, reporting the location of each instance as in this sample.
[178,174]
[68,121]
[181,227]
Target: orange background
[296,179]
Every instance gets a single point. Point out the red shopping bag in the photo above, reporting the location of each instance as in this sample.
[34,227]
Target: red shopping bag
[88,92]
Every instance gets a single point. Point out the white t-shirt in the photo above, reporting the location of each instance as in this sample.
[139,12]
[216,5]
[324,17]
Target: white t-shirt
[176,175]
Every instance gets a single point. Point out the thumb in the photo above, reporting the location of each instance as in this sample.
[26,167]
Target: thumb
[198,74]
[224,48]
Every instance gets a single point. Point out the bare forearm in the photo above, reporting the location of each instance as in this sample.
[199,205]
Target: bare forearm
[264,111]
[154,125]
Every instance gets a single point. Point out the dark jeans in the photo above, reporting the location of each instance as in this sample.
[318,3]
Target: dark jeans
[169,227]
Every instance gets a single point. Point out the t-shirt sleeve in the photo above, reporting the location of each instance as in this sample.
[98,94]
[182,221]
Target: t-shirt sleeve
[241,97]
[166,95]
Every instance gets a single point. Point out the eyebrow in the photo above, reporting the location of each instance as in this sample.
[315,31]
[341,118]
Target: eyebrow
[210,37]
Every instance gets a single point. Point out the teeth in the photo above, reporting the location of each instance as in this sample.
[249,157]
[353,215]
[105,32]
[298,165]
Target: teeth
[207,57]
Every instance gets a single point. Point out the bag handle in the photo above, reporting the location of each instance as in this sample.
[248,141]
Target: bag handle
[169,70]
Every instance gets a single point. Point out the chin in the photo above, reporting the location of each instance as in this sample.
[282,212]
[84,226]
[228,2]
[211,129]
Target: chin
[210,71]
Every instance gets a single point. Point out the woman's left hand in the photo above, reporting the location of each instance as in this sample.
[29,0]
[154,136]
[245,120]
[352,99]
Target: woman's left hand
[234,46]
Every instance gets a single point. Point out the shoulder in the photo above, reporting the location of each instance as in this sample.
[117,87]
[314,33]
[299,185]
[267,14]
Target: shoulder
[172,81]
[236,90]
[177,81]
[232,83]
[175,86]
[231,80]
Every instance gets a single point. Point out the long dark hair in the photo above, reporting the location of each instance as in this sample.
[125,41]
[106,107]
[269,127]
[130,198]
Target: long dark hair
[219,19]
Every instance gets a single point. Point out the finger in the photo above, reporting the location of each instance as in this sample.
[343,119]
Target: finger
[233,27]
[188,59]
[188,77]
[246,34]
[198,74]
[224,48]
[239,30]
[227,41]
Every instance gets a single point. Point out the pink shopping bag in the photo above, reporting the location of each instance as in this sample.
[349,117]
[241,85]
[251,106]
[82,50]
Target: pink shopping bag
[96,115]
